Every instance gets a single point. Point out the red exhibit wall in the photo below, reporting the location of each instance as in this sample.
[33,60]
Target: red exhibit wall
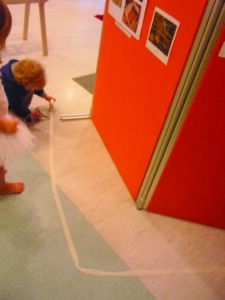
[134,90]
[192,186]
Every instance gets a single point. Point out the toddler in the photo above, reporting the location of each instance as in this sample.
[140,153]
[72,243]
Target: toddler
[21,80]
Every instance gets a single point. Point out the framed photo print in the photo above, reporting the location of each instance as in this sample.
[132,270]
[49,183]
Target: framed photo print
[162,33]
[133,16]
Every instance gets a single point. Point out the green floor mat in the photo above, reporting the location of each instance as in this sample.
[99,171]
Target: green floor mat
[35,260]
[87,82]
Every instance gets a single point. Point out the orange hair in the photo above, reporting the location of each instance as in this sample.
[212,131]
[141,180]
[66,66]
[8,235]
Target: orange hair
[30,73]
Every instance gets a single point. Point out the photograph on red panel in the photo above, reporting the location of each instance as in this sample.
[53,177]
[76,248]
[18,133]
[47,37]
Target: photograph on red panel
[162,34]
[131,14]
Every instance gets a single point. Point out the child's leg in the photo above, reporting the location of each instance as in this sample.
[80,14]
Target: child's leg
[9,188]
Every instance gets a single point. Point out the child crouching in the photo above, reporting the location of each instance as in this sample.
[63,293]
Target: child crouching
[21,79]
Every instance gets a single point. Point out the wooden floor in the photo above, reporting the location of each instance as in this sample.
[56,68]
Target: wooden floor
[183,260]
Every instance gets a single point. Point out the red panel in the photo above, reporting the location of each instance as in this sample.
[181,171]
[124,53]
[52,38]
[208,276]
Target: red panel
[192,186]
[134,89]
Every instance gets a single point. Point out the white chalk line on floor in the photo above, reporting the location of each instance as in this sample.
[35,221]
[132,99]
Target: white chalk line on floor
[72,246]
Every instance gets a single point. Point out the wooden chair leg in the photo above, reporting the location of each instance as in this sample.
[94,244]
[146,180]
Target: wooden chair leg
[41,4]
[26,19]
[43,28]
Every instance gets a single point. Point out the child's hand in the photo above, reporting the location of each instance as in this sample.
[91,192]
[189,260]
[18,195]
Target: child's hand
[49,98]
[9,126]
[36,115]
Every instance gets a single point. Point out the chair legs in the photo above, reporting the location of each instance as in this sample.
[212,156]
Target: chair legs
[26,19]
[42,24]
[43,28]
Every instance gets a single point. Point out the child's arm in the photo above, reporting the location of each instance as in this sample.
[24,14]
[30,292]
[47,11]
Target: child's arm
[43,94]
